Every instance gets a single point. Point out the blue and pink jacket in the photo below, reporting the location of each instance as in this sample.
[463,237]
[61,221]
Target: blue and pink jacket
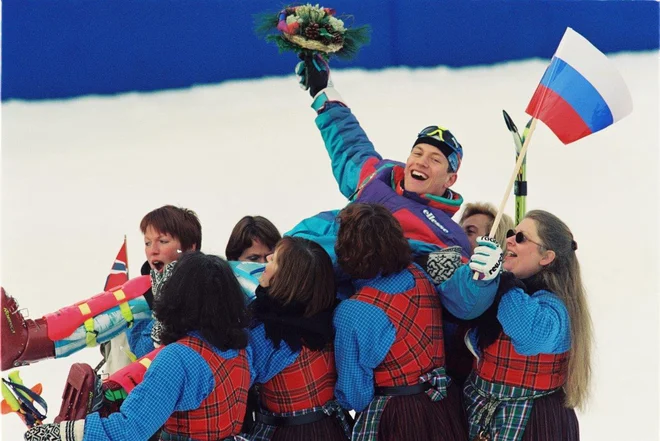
[364,176]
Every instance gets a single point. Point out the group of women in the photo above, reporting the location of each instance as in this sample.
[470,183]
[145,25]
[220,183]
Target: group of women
[371,367]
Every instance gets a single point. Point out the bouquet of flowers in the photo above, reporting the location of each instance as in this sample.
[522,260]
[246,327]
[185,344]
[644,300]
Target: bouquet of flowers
[312,29]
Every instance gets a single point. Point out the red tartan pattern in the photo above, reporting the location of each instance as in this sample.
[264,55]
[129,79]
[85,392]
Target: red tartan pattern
[307,382]
[500,363]
[417,317]
[221,413]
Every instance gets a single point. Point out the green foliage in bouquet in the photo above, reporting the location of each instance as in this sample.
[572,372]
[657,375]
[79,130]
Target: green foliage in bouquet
[311,29]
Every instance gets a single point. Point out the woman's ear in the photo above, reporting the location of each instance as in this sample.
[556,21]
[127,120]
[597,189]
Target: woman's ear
[547,258]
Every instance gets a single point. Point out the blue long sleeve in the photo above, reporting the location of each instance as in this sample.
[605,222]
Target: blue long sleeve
[464,297]
[364,336]
[322,228]
[347,144]
[267,360]
[536,324]
[178,379]
[139,337]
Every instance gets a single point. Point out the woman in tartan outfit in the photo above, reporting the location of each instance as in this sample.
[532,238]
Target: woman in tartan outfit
[197,384]
[389,348]
[533,344]
[292,342]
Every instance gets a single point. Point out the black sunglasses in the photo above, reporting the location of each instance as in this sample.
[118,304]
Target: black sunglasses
[521,238]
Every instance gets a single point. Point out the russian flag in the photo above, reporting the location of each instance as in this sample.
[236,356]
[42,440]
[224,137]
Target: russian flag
[581,91]
[119,271]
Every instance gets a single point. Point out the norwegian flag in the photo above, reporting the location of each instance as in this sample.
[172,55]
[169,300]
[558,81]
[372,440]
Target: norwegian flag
[119,272]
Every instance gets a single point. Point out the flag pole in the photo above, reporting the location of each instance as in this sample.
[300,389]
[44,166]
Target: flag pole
[126,246]
[507,192]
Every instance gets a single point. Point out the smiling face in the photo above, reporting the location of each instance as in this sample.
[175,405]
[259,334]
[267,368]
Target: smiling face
[161,248]
[426,171]
[526,259]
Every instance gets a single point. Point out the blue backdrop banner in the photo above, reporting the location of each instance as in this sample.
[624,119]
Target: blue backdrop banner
[60,49]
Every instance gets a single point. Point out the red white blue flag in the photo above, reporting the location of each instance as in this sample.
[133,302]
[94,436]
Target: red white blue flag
[581,91]
[119,271]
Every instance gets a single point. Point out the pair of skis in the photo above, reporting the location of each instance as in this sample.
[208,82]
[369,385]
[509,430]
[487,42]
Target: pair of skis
[520,185]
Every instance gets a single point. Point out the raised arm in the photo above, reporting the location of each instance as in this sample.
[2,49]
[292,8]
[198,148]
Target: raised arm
[347,144]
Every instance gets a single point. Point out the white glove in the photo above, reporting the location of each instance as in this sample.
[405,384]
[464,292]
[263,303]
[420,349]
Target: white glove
[487,258]
[64,431]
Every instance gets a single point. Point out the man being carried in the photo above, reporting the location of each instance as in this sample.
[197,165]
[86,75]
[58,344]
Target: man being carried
[417,193]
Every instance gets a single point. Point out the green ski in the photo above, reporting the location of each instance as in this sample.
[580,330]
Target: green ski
[520,187]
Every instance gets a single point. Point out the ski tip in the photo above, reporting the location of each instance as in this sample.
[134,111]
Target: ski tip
[509,122]
[6,408]
[37,388]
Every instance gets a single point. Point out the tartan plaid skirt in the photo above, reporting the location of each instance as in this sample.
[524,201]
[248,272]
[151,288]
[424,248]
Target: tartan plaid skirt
[434,415]
[550,420]
[507,413]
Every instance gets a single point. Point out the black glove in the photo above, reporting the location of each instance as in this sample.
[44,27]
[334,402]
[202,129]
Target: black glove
[313,73]
[440,265]
[508,281]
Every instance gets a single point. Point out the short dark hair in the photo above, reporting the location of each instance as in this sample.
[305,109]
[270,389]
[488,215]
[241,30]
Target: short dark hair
[304,275]
[203,295]
[181,223]
[251,228]
[370,242]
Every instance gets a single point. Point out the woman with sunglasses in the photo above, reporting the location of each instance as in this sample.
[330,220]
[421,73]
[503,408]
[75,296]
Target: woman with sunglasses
[533,344]
[292,341]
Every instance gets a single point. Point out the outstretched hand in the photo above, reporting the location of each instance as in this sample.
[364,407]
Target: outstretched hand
[313,73]
[487,258]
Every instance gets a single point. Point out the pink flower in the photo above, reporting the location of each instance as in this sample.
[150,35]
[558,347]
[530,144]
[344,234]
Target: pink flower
[290,29]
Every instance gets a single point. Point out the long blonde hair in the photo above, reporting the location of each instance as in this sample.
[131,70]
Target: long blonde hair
[562,277]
